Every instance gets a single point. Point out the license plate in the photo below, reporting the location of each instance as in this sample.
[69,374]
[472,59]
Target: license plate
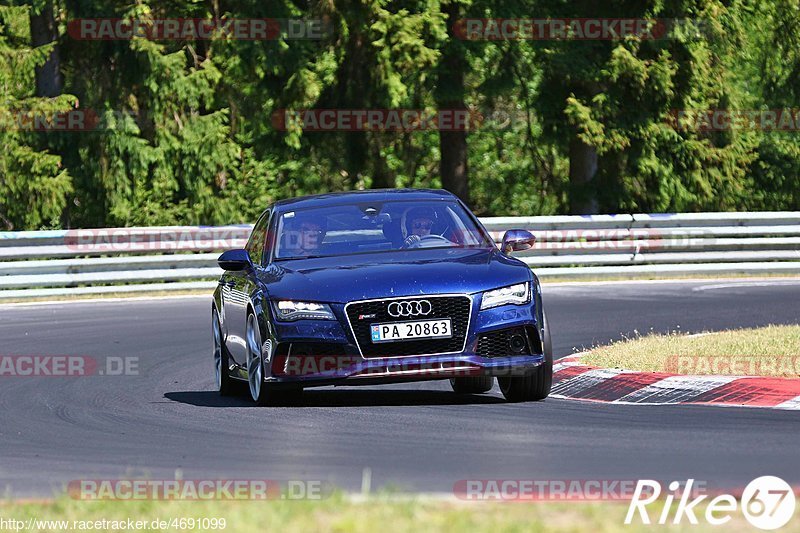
[420,329]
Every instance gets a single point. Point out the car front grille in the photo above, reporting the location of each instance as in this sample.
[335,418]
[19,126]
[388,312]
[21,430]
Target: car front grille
[456,308]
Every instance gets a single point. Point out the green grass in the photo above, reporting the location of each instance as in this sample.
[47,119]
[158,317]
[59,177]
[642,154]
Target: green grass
[768,351]
[342,514]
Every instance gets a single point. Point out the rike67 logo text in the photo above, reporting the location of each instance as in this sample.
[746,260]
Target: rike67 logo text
[767,502]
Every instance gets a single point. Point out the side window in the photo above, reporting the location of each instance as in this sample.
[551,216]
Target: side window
[255,245]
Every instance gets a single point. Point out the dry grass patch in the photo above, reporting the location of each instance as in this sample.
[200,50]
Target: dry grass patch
[768,351]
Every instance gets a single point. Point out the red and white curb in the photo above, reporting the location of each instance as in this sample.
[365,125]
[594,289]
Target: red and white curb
[576,381]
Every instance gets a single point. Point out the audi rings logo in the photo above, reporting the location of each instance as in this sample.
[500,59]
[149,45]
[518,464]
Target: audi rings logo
[410,308]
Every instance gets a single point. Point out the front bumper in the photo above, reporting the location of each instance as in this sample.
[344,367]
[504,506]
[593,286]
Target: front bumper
[354,370]
[346,366]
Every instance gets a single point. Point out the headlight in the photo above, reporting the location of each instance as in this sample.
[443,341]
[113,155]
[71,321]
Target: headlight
[515,294]
[289,310]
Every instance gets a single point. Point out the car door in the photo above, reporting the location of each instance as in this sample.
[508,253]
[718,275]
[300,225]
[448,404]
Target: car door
[238,287]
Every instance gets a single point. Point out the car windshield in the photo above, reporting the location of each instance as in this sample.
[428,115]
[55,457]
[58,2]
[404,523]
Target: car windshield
[376,227]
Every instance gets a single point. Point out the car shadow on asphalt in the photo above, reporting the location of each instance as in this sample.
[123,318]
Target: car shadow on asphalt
[208,399]
[341,398]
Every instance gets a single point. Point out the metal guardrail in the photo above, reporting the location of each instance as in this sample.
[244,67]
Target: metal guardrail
[129,260]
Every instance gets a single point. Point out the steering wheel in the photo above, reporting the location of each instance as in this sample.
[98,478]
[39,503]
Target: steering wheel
[431,239]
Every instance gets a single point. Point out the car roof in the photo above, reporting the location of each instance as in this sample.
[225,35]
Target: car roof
[371,195]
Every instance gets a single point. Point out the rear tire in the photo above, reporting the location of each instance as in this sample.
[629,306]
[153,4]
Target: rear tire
[472,385]
[535,385]
[225,384]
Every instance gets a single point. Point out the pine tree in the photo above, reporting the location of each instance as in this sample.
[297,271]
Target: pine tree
[33,181]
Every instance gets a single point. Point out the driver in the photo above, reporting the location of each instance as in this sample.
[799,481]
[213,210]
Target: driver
[419,222]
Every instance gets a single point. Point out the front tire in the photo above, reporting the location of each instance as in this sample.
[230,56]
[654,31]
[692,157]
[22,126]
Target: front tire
[225,384]
[472,385]
[255,362]
[535,385]
[259,355]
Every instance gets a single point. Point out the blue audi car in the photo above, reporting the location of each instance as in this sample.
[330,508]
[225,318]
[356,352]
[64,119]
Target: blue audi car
[375,287]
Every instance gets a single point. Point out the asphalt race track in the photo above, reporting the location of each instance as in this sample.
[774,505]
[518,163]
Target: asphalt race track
[418,437]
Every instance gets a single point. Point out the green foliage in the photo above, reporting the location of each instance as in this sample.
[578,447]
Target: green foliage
[186,132]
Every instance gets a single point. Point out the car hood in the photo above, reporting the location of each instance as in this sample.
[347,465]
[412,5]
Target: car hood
[403,273]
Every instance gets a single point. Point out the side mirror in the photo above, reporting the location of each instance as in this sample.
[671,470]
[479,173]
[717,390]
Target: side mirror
[235,260]
[517,240]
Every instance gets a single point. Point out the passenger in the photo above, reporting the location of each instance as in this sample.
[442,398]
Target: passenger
[310,232]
